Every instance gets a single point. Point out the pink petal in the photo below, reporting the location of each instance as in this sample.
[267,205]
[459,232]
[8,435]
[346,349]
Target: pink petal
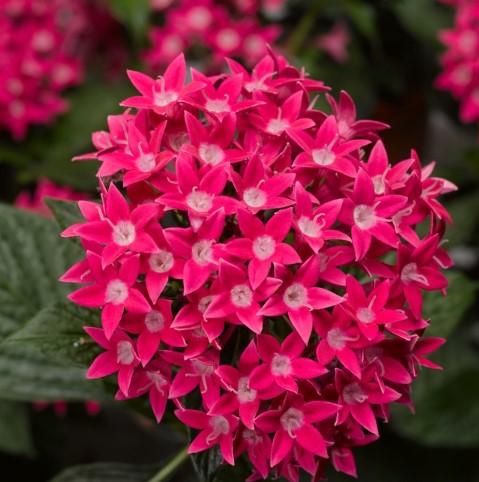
[311,440]
[110,318]
[103,365]
[364,415]
[282,445]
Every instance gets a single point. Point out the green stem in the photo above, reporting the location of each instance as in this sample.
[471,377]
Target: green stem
[171,466]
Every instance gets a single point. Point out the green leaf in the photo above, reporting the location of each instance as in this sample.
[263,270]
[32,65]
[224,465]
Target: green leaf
[65,213]
[15,433]
[107,472]
[26,375]
[412,14]
[56,333]
[134,13]
[207,464]
[446,312]
[447,412]
[465,212]
[32,257]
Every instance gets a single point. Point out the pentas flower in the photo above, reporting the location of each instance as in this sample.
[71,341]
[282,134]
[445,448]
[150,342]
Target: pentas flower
[369,215]
[112,289]
[42,54]
[221,29]
[214,430]
[298,297]
[459,60]
[263,244]
[123,229]
[283,364]
[259,262]
[293,424]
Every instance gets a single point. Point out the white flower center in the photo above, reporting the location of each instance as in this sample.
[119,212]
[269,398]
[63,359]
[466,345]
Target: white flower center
[410,273]
[165,97]
[199,201]
[364,216]
[124,353]
[218,106]
[154,321]
[281,365]
[161,262]
[43,41]
[353,394]
[379,184]
[220,426]
[124,233]
[241,296]
[366,315]
[295,296]
[228,39]
[323,157]
[211,154]
[116,292]
[251,437]
[277,126]
[199,18]
[336,338]
[202,368]
[264,247]
[202,252]
[158,380]
[204,303]
[146,162]
[245,393]
[254,197]
[292,420]
[309,227]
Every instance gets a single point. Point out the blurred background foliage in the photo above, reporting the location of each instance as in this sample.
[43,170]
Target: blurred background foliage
[392,64]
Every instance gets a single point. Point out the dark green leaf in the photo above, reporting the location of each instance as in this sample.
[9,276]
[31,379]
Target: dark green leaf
[447,412]
[446,312]
[465,212]
[26,375]
[65,213]
[32,257]
[107,472]
[134,13]
[15,433]
[207,463]
[56,333]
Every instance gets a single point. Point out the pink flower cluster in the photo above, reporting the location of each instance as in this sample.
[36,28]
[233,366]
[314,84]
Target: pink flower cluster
[263,255]
[39,43]
[460,62]
[224,28]
[46,189]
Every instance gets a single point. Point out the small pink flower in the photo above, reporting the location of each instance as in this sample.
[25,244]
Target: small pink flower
[120,357]
[283,364]
[294,424]
[263,244]
[113,290]
[121,229]
[299,296]
[214,430]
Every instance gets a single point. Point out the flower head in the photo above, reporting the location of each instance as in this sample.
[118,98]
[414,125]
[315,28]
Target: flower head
[268,267]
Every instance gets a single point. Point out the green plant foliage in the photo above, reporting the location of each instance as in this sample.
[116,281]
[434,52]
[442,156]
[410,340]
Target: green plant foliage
[446,312]
[447,412]
[15,434]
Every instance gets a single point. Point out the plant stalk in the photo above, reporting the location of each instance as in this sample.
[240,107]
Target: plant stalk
[171,467]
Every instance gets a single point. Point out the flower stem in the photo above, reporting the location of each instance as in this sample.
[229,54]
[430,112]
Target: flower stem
[171,466]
